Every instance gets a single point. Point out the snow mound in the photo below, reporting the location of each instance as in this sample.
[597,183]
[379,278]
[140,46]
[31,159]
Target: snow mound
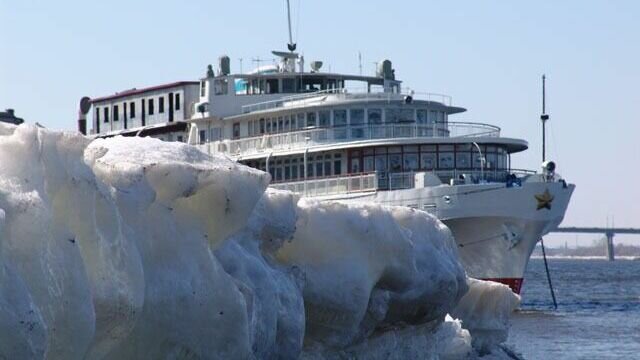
[136,248]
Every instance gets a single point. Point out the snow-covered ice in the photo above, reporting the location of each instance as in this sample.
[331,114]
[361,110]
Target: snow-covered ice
[134,248]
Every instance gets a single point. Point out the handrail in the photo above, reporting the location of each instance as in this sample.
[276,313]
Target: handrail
[330,135]
[344,93]
[373,181]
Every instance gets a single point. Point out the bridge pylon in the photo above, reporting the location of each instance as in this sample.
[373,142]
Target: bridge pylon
[610,248]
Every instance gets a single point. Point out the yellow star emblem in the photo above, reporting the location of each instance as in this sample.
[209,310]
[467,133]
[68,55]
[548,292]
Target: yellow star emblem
[544,200]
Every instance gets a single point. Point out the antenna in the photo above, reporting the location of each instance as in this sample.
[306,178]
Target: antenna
[291,45]
[544,117]
[240,65]
[360,62]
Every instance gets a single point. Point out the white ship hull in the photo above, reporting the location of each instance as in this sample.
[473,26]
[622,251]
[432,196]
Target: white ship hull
[496,227]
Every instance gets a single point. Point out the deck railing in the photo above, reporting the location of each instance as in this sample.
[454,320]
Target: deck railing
[361,94]
[322,136]
[331,186]
[366,182]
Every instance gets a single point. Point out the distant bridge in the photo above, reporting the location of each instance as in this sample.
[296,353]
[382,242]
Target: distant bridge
[608,232]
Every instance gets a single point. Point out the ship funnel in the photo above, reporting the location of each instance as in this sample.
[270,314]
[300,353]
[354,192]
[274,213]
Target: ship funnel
[224,65]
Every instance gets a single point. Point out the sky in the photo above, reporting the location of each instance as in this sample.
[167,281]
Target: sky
[488,55]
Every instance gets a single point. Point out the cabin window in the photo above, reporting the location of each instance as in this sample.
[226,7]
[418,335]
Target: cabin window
[356,118]
[300,117]
[220,86]
[203,88]
[368,163]
[337,164]
[280,124]
[311,119]
[132,109]
[106,114]
[151,107]
[374,116]
[427,161]
[177,107]
[324,118]
[161,104]
[262,126]
[463,160]
[116,113]
[433,116]
[421,116]
[236,130]
[288,85]
[203,136]
[410,162]
[395,163]
[180,138]
[339,117]
[97,115]
[445,160]
[272,86]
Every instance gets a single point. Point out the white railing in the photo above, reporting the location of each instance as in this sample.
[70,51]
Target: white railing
[332,185]
[345,94]
[367,182]
[322,136]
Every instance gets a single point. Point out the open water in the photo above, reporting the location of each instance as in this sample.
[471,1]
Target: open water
[598,315]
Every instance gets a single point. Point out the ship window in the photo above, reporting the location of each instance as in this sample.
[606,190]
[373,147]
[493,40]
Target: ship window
[375,116]
[399,115]
[368,164]
[106,114]
[286,123]
[395,163]
[463,160]
[268,126]
[132,109]
[236,130]
[381,150]
[445,160]
[421,116]
[203,136]
[381,163]
[288,85]
[427,161]
[150,106]
[395,149]
[491,160]
[216,134]
[220,87]
[311,119]
[262,128]
[280,124]
[410,162]
[97,113]
[177,102]
[300,117]
[410,148]
[339,117]
[161,104]
[116,113]
[324,118]
[433,116]
[356,116]
[272,86]
[428,148]
[180,138]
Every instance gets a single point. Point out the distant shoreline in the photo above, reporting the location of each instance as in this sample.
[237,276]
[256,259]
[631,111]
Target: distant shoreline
[569,257]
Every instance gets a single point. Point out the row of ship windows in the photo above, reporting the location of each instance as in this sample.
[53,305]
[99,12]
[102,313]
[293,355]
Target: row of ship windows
[132,109]
[340,117]
[388,159]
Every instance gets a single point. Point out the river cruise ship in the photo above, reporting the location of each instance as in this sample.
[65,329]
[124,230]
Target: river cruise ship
[366,139]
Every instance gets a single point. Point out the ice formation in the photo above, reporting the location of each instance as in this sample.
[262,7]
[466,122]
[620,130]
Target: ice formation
[137,248]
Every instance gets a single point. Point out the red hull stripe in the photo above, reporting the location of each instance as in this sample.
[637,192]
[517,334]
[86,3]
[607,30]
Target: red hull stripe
[514,283]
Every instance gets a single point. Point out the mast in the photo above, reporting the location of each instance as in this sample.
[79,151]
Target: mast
[544,117]
[291,45]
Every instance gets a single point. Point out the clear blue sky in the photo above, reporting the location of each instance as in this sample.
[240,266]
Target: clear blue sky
[488,55]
